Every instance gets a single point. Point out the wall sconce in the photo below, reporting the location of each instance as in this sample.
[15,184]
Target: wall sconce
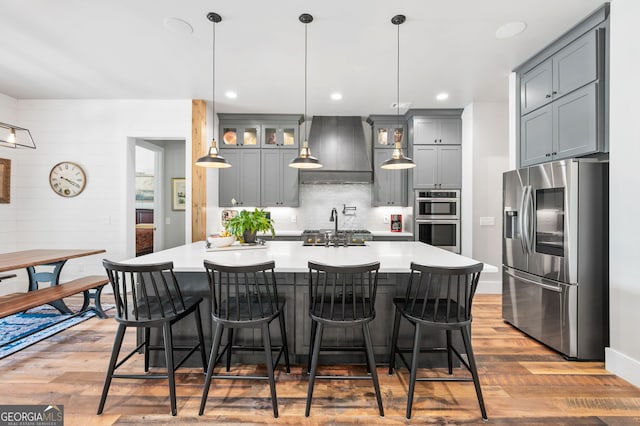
[15,137]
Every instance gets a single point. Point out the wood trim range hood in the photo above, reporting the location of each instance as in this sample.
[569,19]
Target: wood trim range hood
[340,145]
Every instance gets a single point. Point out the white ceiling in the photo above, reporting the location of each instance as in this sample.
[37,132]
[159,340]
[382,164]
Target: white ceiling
[119,49]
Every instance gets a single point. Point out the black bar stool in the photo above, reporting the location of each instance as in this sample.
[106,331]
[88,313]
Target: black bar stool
[342,296]
[148,296]
[438,298]
[245,297]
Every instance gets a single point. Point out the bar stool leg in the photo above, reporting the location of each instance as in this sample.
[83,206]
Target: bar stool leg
[394,342]
[314,365]
[449,352]
[168,353]
[372,366]
[266,340]
[414,368]
[311,341]
[203,353]
[117,344]
[147,339]
[212,362]
[285,345]
[474,370]
[229,346]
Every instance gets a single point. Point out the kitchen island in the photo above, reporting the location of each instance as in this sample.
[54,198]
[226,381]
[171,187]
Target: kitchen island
[291,260]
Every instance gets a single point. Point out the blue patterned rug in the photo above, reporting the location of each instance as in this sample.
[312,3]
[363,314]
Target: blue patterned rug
[23,324]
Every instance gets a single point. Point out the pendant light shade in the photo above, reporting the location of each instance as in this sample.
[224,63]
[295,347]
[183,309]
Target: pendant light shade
[213,158]
[305,160]
[398,161]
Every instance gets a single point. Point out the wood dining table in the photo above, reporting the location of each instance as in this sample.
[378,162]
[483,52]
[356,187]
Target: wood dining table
[31,259]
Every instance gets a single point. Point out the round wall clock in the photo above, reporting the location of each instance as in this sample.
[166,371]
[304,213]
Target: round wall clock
[67,179]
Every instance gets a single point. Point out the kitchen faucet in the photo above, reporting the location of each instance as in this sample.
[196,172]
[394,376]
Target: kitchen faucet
[334,218]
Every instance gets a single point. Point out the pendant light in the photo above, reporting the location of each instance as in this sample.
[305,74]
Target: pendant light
[213,158]
[305,160]
[9,137]
[398,161]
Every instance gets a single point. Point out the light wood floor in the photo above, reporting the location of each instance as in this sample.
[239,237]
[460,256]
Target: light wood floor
[523,383]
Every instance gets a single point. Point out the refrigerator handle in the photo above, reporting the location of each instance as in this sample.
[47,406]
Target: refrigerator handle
[530,222]
[539,284]
[521,227]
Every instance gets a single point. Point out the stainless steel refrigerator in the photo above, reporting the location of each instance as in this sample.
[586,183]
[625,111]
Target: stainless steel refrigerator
[555,255]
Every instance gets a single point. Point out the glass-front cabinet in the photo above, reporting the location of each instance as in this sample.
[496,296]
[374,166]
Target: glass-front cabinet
[239,135]
[387,136]
[280,135]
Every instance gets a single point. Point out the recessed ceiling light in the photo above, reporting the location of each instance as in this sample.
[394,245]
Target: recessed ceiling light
[231,95]
[336,96]
[442,96]
[510,29]
[178,26]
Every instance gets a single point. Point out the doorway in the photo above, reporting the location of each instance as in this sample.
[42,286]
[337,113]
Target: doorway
[157,163]
[149,171]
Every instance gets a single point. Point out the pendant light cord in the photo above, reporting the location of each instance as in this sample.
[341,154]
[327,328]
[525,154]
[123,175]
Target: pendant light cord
[213,85]
[398,81]
[305,81]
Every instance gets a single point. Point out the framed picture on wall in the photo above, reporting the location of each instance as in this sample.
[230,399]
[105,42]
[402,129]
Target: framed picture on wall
[178,194]
[5,181]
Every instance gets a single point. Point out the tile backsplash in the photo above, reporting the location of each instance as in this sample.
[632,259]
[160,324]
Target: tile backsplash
[316,202]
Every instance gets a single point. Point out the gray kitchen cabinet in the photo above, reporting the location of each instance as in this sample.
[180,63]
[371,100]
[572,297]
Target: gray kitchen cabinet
[241,182]
[239,134]
[437,166]
[566,128]
[280,135]
[279,182]
[437,131]
[389,186]
[570,68]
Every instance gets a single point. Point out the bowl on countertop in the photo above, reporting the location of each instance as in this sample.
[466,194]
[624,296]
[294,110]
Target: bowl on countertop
[218,241]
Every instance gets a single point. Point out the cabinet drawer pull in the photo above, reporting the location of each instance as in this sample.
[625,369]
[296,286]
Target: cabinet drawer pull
[554,153]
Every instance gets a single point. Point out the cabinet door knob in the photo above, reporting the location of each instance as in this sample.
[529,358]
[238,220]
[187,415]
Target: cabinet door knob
[547,96]
[440,140]
[554,153]
[547,155]
[435,141]
[555,92]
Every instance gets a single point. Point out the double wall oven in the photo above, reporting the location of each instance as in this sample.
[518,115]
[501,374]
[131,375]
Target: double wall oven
[437,218]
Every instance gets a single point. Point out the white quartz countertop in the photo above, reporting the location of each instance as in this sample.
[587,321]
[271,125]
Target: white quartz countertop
[292,256]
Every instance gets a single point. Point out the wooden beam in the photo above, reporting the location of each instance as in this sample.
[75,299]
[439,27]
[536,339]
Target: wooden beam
[198,174]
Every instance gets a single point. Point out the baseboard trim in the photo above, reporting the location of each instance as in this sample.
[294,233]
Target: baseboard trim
[622,366]
[489,287]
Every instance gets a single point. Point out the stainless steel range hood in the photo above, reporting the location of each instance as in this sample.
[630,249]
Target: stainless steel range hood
[340,145]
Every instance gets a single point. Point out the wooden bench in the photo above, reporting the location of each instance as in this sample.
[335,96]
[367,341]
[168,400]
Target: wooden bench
[18,302]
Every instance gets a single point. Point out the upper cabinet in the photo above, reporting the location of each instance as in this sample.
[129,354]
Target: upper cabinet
[437,131]
[390,187]
[279,182]
[260,175]
[563,95]
[240,183]
[239,135]
[436,138]
[280,135]
[571,68]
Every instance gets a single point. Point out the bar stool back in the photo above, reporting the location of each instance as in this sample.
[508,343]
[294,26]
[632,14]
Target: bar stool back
[342,296]
[148,296]
[439,298]
[245,297]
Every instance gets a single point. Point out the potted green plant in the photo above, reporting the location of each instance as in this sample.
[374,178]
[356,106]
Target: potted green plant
[246,224]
